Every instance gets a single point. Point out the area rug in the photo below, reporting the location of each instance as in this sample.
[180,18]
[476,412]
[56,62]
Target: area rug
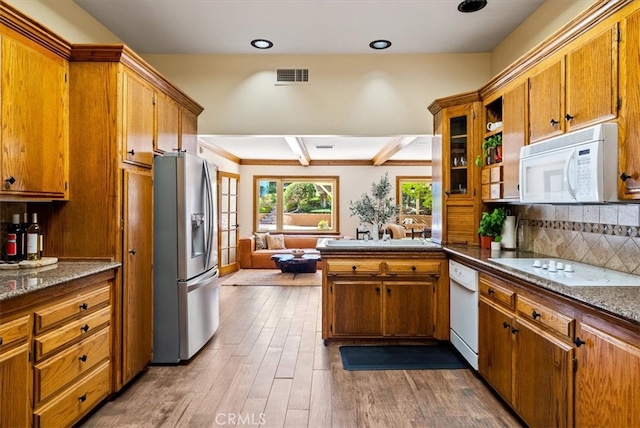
[271,277]
[401,357]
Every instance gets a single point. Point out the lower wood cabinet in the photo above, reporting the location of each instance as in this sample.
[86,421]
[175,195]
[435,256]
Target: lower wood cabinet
[557,363]
[15,372]
[384,298]
[607,378]
[55,352]
[526,362]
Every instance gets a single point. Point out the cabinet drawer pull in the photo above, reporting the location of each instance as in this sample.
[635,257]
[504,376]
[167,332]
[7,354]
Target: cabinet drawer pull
[568,117]
[10,180]
[514,330]
[506,324]
[85,328]
[377,289]
[83,398]
[535,315]
[132,152]
[0,340]
[353,268]
[389,291]
[84,306]
[579,342]
[393,274]
[83,358]
[413,268]
[490,291]
[624,176]
[554,122]
[132,252]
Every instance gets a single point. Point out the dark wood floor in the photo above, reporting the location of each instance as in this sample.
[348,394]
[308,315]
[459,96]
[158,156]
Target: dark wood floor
[267,366]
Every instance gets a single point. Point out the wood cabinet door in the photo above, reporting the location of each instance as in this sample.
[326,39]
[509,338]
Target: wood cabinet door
[35,120]
[546,103]
[138,122]
[607,380]
[408,308]
[167,129]
[543,377]
[357,308]
[188,132]
[15,387]
[137,293]
[629,135]
[459,141]
[592,81]
[514,117]
[494,347]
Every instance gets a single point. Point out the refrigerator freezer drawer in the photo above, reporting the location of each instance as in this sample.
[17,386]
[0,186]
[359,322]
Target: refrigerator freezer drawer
[199,313]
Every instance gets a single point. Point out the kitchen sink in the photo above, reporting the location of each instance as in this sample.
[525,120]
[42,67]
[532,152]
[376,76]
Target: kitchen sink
[398,243]
[577,274]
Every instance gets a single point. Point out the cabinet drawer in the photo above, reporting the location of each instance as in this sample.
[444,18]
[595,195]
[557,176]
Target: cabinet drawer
[413,268]
[496,174]
[71,331]
[76,401]
[73,306]
[497,293]
[14,332]
[550,318]
[56,372]
[496,191]
[486,175]
[354,267]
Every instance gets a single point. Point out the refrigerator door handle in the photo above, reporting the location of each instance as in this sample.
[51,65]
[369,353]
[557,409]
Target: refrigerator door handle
[202,282]
[210,218]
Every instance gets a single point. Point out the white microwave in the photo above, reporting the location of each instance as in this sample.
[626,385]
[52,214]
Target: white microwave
[576,167]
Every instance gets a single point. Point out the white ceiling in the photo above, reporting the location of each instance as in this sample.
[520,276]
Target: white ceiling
[309,27]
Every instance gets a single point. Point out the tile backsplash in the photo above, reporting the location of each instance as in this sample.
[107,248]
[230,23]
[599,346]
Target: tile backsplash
[601,235]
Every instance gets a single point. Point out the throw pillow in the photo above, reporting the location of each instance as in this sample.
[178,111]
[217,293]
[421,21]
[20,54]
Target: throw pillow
[275,242]
[261,240]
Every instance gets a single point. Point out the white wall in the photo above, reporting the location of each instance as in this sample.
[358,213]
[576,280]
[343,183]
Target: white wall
[549,17]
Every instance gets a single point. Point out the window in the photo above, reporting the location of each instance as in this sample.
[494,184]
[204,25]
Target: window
[296,204]
[413,195]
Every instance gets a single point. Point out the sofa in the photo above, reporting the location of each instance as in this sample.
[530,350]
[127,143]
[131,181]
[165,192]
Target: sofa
[250,258]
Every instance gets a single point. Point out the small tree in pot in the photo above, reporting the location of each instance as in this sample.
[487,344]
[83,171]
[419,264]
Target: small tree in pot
[491,226]
[377,209]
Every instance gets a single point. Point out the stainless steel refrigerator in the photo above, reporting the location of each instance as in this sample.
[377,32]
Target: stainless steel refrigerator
[185,294]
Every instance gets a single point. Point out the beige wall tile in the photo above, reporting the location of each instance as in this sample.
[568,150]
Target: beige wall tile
[608,214]
[629,215]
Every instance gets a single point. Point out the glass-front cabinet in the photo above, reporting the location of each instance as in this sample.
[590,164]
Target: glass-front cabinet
[458,159]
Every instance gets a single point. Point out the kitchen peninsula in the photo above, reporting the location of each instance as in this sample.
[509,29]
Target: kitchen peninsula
[374,289]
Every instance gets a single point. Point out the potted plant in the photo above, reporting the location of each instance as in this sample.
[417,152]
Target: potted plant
[490,226]
[492,147]
[377,209]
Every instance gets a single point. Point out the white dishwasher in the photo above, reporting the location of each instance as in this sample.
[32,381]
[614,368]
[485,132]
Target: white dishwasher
[464,311]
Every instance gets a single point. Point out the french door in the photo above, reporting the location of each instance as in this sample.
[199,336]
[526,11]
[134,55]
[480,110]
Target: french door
[228,227]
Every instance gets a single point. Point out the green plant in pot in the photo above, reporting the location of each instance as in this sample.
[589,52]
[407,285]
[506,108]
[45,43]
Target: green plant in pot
[490,227]
[492,148]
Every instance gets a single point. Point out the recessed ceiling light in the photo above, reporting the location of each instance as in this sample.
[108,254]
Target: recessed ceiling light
[261,44]
[468,6]
[380,44]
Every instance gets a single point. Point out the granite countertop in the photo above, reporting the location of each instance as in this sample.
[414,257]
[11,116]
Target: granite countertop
[620,301]
[16,282]
[394,245]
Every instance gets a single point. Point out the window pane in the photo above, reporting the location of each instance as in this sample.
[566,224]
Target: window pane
[301,205]
[267,204]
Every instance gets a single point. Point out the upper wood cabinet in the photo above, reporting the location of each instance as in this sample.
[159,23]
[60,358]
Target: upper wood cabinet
[35,114]
[546,102]
[592,79]
[514,137]
[629,132]
[140,112]
[188,132]
[168,125]
[577,90]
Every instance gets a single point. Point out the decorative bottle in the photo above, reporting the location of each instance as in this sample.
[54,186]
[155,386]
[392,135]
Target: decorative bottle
[34,239]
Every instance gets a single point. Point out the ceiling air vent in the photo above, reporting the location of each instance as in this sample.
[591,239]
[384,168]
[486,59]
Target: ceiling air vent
[287,76]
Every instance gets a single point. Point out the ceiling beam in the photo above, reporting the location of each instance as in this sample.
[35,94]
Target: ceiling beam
[297,146]
[391,148]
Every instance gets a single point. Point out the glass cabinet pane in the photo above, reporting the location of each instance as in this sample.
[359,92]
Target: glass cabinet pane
[459,155]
